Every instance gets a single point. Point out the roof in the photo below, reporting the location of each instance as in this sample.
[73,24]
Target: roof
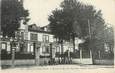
[39,31]
[35,28]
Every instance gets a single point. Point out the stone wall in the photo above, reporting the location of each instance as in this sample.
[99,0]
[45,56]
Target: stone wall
[104,62]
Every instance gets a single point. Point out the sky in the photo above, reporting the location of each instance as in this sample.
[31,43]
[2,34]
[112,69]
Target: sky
[40,9]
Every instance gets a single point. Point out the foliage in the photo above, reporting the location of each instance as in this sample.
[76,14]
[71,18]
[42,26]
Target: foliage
[12,12]
[80,20]
[73,18]
[109,37]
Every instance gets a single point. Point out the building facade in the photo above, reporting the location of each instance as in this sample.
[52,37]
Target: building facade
[38,44]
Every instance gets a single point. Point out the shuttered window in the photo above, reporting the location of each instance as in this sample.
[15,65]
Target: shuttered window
[33,37]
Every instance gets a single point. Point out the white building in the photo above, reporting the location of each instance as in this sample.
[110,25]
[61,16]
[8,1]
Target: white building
[35,43]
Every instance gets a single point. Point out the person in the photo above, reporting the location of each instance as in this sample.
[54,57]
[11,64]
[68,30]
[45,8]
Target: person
[67,56]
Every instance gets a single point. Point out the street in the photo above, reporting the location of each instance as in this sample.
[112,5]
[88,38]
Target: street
[64,68]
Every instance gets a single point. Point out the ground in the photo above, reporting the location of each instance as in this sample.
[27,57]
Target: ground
[63,68]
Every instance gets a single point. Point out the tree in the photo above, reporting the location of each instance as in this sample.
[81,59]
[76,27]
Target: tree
[72,20]
[12,12]
[109,38]
[61,22]
[76,19]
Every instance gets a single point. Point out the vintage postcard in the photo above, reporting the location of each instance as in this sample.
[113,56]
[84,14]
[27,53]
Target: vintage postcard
[57,36]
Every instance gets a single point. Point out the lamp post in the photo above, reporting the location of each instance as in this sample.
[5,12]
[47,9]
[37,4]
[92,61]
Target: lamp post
[13,52]
[0,42]
[37,54]
[90,37]
[51,52]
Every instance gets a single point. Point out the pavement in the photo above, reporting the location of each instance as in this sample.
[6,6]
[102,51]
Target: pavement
[46,67]
[62,67]
[75,68]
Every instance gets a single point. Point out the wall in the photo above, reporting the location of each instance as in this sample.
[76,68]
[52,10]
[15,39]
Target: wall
[104,62]
[18,62]
[82,61]
[25,61]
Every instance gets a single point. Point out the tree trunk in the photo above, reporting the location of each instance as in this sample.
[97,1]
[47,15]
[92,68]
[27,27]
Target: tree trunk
[99,54]
[61,50]
[73,37]
[93,56]
[61,46]
[80,55]
[114,50]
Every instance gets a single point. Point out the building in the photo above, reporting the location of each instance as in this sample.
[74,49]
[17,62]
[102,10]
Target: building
[38,45]
[33,37]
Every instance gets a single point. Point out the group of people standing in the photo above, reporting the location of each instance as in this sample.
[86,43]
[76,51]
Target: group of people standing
[63,59]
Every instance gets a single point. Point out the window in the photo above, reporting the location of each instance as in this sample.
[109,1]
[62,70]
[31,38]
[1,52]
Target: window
[21,47]
[33,37]
[46,49]
[55,39]
[45,38]
[43,49]
[4,46]
[17,47]
[57,49]
[8,47]
[31,48]
[17,34]
[22,35]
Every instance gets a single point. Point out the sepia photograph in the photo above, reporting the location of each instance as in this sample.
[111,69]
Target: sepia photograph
[57,35]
